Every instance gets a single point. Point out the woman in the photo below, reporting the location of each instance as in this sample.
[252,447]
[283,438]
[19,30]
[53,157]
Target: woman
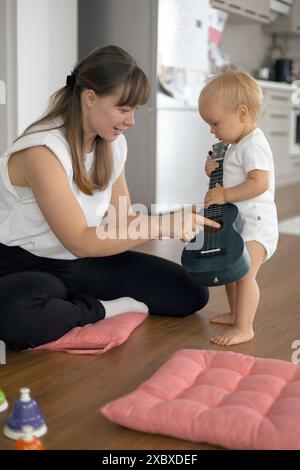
[56,182]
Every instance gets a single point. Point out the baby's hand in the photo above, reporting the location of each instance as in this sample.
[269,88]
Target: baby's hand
[215,195]
[210,165]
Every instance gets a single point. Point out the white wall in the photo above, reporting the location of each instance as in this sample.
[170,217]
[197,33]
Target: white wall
[46,53]
[247,45]
[3,76]
[63,47]
[8,102]
[293,52]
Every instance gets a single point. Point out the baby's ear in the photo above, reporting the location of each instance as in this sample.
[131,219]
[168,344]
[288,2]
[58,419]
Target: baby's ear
[243,112]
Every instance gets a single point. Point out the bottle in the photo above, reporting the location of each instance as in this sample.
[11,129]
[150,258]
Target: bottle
[28,441]
[277,51]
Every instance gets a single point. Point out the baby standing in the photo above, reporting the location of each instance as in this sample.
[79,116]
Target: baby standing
[231,103]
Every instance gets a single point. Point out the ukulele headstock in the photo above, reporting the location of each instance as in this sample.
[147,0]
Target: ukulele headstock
[219,150]
[218,154]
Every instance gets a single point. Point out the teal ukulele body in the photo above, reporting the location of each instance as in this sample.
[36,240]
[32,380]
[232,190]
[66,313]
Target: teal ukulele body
[218,256]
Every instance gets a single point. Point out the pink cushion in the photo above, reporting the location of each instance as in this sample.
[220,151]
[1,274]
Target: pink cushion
[222,398]
[99,337]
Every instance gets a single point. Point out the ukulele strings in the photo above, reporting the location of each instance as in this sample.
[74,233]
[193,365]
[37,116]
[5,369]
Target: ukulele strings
[214,212]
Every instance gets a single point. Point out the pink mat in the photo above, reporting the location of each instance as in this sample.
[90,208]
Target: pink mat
[99,337]
[219,397]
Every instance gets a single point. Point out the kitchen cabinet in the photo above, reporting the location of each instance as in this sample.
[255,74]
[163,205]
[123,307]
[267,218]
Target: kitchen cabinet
[257,10]
[275,123]
[288,24]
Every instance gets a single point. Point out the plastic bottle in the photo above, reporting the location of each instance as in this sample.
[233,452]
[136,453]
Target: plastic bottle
[28,441]
[277,51]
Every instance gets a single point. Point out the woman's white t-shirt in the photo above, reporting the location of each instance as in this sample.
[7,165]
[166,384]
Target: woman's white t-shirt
[259,214]
[21,221]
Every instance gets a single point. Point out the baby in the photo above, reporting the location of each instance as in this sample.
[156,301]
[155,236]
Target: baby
[231,103]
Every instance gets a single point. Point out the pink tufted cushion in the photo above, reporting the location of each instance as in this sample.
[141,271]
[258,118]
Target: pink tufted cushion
[99,337]
[222,398]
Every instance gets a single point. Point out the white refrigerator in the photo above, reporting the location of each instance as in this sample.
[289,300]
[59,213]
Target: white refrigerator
[183,139]
[168,145]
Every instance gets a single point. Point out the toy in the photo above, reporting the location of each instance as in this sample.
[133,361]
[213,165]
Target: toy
[25,412]
[3,401]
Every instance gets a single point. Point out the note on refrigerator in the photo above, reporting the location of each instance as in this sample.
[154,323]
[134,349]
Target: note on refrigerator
[183,33]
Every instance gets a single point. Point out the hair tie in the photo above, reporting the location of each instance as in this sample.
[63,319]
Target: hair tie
[71,79]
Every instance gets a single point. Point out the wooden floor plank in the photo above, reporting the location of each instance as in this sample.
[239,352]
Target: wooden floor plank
[71,389]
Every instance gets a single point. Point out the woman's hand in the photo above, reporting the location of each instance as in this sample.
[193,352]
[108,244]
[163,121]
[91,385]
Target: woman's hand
[210,165]
[185,224]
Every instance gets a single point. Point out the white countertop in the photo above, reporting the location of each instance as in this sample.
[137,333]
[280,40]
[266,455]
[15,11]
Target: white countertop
[276,85]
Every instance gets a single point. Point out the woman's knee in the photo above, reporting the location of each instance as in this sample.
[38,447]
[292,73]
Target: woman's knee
[180,294]
[186,300]
[195,301]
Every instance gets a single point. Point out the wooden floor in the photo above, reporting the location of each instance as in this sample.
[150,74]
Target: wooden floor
[71,389]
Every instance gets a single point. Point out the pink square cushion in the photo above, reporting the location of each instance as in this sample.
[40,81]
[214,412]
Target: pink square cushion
[222,398]
[99,337]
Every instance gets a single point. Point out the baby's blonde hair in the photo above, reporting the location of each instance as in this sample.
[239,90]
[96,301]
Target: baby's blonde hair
[234,88]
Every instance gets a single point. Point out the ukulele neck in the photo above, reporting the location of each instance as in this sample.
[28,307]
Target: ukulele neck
[216,177]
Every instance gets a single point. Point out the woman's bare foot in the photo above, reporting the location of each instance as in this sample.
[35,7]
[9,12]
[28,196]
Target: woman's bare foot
[233,336]
[224,318]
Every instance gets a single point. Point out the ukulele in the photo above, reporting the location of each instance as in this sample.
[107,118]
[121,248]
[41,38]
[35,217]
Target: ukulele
[218,256]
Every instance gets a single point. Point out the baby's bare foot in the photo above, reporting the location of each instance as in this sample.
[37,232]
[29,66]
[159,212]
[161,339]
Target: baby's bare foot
[225,318]
[233,336]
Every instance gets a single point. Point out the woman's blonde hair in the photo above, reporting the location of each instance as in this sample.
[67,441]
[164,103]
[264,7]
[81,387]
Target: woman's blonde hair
[104,70]
[234,87]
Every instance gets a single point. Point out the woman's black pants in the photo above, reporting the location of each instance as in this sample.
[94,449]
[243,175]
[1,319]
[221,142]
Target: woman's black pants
[41,299]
